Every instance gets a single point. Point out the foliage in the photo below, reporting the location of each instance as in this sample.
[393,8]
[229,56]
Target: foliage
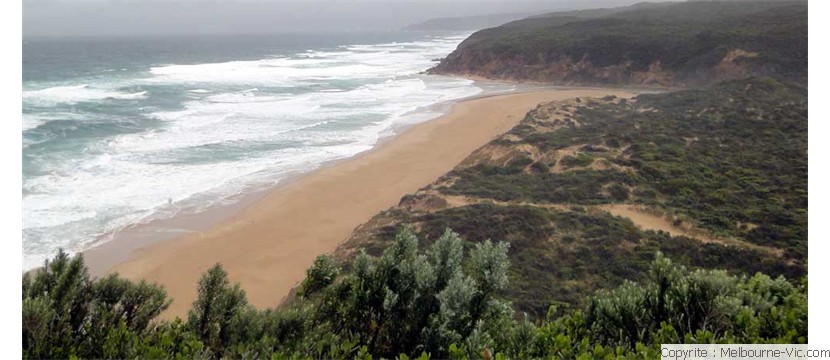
[410,303]
[562,256]
[580,159]
[435,303]
[220,313]
[320,275]
[66,314]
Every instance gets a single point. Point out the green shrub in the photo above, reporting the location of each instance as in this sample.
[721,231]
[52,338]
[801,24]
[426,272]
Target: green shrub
[320,275]
[434,303]
[580,159]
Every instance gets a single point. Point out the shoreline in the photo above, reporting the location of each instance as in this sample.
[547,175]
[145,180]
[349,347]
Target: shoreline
[267,243]
[117,246]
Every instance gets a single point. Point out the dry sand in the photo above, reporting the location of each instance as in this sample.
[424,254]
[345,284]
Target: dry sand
[268,245]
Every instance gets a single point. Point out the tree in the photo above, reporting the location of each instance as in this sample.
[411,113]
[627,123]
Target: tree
[320,275]
[397,305]
[218,310]
[67,314]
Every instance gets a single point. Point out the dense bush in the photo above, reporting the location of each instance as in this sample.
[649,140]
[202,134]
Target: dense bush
[579,186]
[441,302]
[66,314]
[562,256]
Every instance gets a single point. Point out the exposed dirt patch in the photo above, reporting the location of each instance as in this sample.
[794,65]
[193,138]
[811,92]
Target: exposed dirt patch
[648,219]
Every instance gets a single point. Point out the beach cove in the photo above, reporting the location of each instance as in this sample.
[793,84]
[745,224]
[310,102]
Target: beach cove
[268,245]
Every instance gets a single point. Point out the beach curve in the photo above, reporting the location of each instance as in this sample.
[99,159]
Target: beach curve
[268,245]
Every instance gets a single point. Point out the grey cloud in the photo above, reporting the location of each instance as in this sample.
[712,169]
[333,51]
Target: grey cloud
[156,17]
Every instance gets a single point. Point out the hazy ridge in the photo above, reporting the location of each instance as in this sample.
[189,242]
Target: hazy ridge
[464,23]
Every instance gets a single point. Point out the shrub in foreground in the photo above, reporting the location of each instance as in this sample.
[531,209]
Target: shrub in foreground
[439,302]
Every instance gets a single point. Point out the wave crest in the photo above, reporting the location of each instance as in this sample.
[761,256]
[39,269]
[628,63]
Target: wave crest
[76,94]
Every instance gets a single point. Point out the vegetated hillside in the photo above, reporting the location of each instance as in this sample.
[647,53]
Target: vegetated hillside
[586,190]
[656,44]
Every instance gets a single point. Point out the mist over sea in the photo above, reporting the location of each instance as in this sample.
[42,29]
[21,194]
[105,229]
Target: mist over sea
[122,131]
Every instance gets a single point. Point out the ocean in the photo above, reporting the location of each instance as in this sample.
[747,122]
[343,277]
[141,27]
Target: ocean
[122,131]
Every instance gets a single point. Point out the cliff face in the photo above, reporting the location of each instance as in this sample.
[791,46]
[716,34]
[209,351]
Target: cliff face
[679,44]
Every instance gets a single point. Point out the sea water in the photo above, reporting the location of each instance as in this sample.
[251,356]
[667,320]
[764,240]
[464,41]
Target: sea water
[120,131]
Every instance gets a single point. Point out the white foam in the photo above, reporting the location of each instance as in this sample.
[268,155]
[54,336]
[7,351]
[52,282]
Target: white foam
[241,138]
[76,94]
[32,121]
[267,71]
[354,61]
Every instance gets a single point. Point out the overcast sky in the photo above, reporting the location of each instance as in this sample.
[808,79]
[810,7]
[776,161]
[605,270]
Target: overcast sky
[156,17]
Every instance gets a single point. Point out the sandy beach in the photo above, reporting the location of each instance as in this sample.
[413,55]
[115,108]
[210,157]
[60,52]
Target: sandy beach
[267,245]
